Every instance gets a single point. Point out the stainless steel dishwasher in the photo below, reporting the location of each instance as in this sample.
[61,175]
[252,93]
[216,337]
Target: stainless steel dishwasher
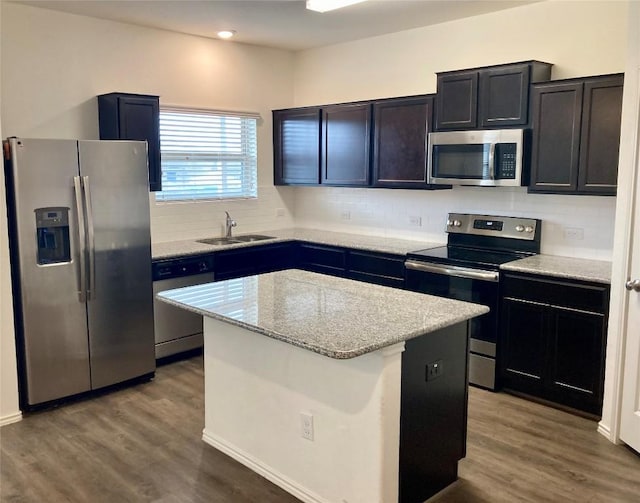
[177,330]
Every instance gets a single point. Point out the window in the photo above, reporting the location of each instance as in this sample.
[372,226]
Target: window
[207,154]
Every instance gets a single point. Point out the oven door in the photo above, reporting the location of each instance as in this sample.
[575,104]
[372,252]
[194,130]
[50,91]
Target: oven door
[469,285]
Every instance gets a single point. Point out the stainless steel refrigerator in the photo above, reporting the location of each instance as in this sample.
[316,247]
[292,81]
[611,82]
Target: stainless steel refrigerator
[81,264]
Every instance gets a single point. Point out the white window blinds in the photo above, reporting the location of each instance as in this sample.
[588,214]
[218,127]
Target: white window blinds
[207,154]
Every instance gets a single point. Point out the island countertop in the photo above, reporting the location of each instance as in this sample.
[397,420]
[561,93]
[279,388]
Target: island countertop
[335,317]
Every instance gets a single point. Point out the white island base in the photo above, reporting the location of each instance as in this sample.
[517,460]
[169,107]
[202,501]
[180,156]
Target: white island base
[257,389]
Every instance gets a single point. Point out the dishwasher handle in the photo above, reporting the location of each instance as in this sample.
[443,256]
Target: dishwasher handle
[453,270]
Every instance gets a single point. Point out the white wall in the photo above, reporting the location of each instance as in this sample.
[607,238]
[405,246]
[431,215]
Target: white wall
[579,38]
[9,410]
[54,64]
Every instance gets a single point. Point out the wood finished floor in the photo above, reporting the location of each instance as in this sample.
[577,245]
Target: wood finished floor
[143,444]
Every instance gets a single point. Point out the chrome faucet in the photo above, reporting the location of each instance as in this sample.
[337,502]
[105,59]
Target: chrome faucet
[230,224]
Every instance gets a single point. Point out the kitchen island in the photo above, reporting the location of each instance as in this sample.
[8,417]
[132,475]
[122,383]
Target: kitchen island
[357,393]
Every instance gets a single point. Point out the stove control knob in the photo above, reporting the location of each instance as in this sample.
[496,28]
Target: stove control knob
[528,229]
[449,223]
[519,228]
[457,223]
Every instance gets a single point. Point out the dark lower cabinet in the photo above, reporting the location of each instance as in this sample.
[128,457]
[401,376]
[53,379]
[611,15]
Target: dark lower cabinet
[553,339]
[433,412]
[379,268]
[371,267]
[124,116]
[252,260]
[576,135]
[523,349]
[323,259]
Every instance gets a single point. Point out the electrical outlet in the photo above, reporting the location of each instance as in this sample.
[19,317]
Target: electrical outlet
[434,370]
[306,425]
[279,212]
[573,233]
[415,220]
[345,215]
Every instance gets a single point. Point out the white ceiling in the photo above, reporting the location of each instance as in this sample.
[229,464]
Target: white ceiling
[284,24]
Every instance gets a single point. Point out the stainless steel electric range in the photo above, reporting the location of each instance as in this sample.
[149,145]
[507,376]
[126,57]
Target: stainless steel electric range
[468,269]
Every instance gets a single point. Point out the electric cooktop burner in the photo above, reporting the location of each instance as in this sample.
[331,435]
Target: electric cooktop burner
[484,241]
[458,255]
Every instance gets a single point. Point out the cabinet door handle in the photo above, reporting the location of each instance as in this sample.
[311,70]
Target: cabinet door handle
[633,284]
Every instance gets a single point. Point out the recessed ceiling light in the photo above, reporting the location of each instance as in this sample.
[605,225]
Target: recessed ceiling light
[225,34]
[327,5]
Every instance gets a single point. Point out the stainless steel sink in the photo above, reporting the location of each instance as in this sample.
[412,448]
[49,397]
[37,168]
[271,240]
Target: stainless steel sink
[252,237]
[247,238]
[218,241]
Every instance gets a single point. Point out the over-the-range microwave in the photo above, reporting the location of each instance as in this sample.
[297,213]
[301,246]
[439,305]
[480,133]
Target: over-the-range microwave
[490,158]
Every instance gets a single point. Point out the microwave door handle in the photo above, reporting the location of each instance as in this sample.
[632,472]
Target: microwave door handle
[492,157]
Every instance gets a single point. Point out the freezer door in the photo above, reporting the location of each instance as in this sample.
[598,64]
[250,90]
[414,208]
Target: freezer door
[51,323]
[120,298]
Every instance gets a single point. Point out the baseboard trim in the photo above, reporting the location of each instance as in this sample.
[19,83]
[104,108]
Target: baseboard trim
[292,487]
[10,419]
[605,431]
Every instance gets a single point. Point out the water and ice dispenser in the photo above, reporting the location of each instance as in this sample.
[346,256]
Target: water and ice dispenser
[52,225]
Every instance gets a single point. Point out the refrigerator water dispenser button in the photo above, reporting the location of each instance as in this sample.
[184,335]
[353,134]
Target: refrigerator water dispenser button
[52,234]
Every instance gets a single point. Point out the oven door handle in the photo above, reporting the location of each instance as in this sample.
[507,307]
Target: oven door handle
[453,270]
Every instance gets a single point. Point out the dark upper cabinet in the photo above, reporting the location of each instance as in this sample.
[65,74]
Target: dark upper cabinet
[346,144]
[400,131]
[489,97]
[296,146]
[504,96]
[600,135]
[553,339]
[124,116]
[576,135]
[457,100]
[557,114]
[381,143]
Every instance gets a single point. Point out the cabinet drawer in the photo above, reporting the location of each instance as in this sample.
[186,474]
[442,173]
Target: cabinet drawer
[377,279]
[583,296]
[378,264]
[324,256]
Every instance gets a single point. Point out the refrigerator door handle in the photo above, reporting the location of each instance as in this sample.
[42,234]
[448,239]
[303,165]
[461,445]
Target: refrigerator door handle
[82,242]
[91,287]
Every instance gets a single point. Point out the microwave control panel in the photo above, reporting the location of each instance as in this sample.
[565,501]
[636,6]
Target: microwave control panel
[506,161]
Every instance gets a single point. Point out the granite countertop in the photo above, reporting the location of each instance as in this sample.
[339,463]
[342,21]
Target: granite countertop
[335,317]
[598,271]
[347,240]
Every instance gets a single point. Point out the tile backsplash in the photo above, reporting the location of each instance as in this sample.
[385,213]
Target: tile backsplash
[273,209]
[574,226]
